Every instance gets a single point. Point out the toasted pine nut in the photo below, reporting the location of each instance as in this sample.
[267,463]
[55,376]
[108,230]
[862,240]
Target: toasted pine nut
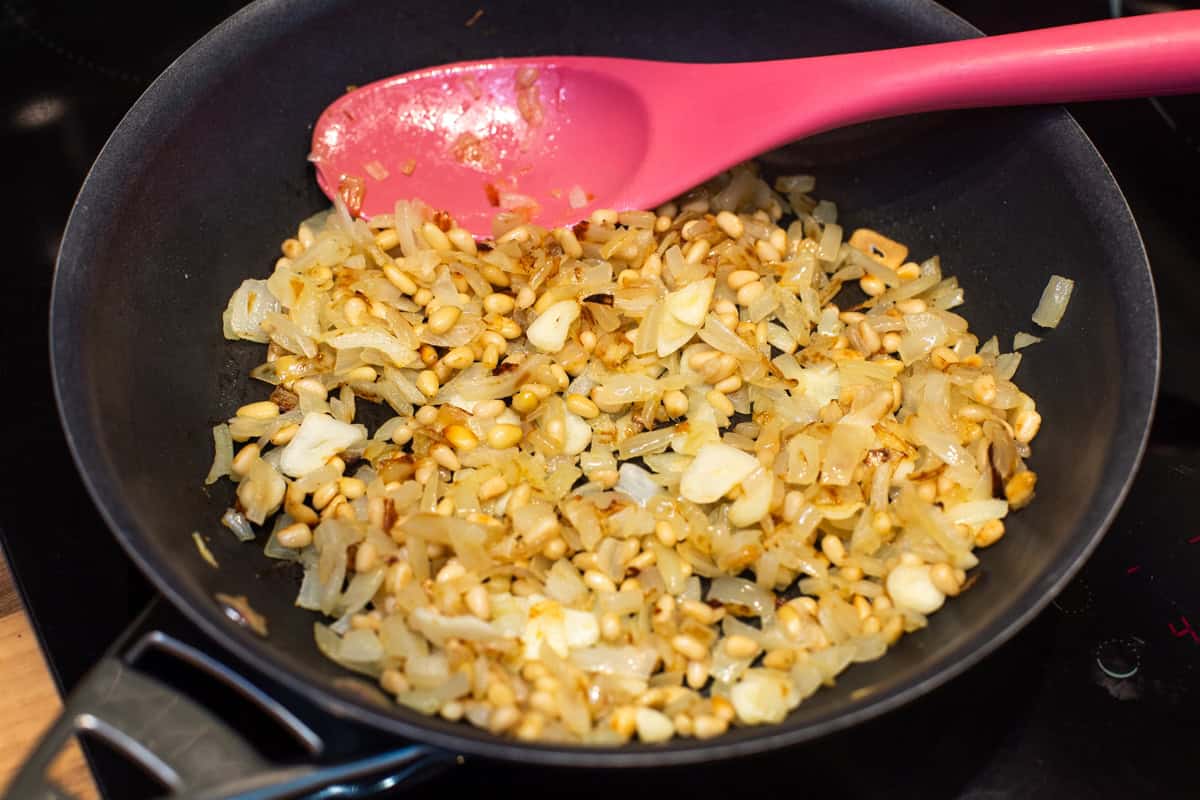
[492,488]
[582,406]
[434,237]
[741,277]
[461,437]
[738,646]
[264,409]
[689,647]
[444,319]
[296,536]
[428,383]
[503,436]
[445,457]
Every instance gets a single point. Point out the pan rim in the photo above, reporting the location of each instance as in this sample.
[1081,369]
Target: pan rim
[82,438]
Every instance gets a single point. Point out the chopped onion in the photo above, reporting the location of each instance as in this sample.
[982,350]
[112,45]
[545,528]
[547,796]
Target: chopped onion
[362,588]
[428,701]
[222,454]
[648,443]
[795,183]
[1022,339]
[847,445]
[358,650]
[630,662]
[670,568]
[237,522]
[202,548]
[1006,365]
[1053,304]
[427,671]
[361,646]
[376,170]
[393,348]
[976,512]
[637,483]
[248,308]
[564,584]
[830,243]
[924,332]
[742,594]
[715,334]
[438,628]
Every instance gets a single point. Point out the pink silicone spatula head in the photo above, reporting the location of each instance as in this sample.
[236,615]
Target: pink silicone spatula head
[556,137]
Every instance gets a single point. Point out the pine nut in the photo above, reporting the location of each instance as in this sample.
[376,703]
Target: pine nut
[445,457]
[444,319]
[434,237]
[689,647]
[262,410]
[732,225]
[428,383]
[738,646]
[461,437]
[582,406]
[296,536]
[503,436]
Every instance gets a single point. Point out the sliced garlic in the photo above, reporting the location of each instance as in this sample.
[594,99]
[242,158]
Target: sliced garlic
[821,383]
[261,493]
[715,470]
[690,304]
[756,502]
[761,697]
[702,428]
[320,438]
[544,627]
[549,331]
[509,417]
[579,435]
[581,627]
[911,587]
[559,629]
[653,726]
[673,334]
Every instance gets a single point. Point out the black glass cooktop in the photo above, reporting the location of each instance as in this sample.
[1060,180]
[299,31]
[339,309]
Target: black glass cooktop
[1099,697]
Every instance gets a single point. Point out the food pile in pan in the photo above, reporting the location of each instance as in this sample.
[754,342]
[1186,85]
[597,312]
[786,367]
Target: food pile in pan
[655,475]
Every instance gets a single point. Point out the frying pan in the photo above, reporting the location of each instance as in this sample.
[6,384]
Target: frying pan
[207,173]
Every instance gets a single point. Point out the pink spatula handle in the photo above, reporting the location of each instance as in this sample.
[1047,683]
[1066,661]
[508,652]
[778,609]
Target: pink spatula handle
[1135,56]
[1131,57]
[775,102]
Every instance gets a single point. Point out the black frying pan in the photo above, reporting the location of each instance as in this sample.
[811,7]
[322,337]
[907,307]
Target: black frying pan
[207,174]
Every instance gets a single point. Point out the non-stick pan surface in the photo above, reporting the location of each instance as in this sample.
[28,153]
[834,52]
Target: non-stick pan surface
[207,174]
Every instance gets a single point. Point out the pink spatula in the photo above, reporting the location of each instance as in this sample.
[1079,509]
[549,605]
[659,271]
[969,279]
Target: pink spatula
[560,136]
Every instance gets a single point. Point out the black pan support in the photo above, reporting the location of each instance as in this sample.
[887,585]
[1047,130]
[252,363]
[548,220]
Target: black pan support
[208,169]
[190,751]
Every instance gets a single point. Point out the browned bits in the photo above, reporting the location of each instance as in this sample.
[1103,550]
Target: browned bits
[989,533]
[352,189]
[884,250]
[1019,489]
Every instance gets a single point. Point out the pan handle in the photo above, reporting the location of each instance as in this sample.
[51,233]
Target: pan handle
[192,752]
